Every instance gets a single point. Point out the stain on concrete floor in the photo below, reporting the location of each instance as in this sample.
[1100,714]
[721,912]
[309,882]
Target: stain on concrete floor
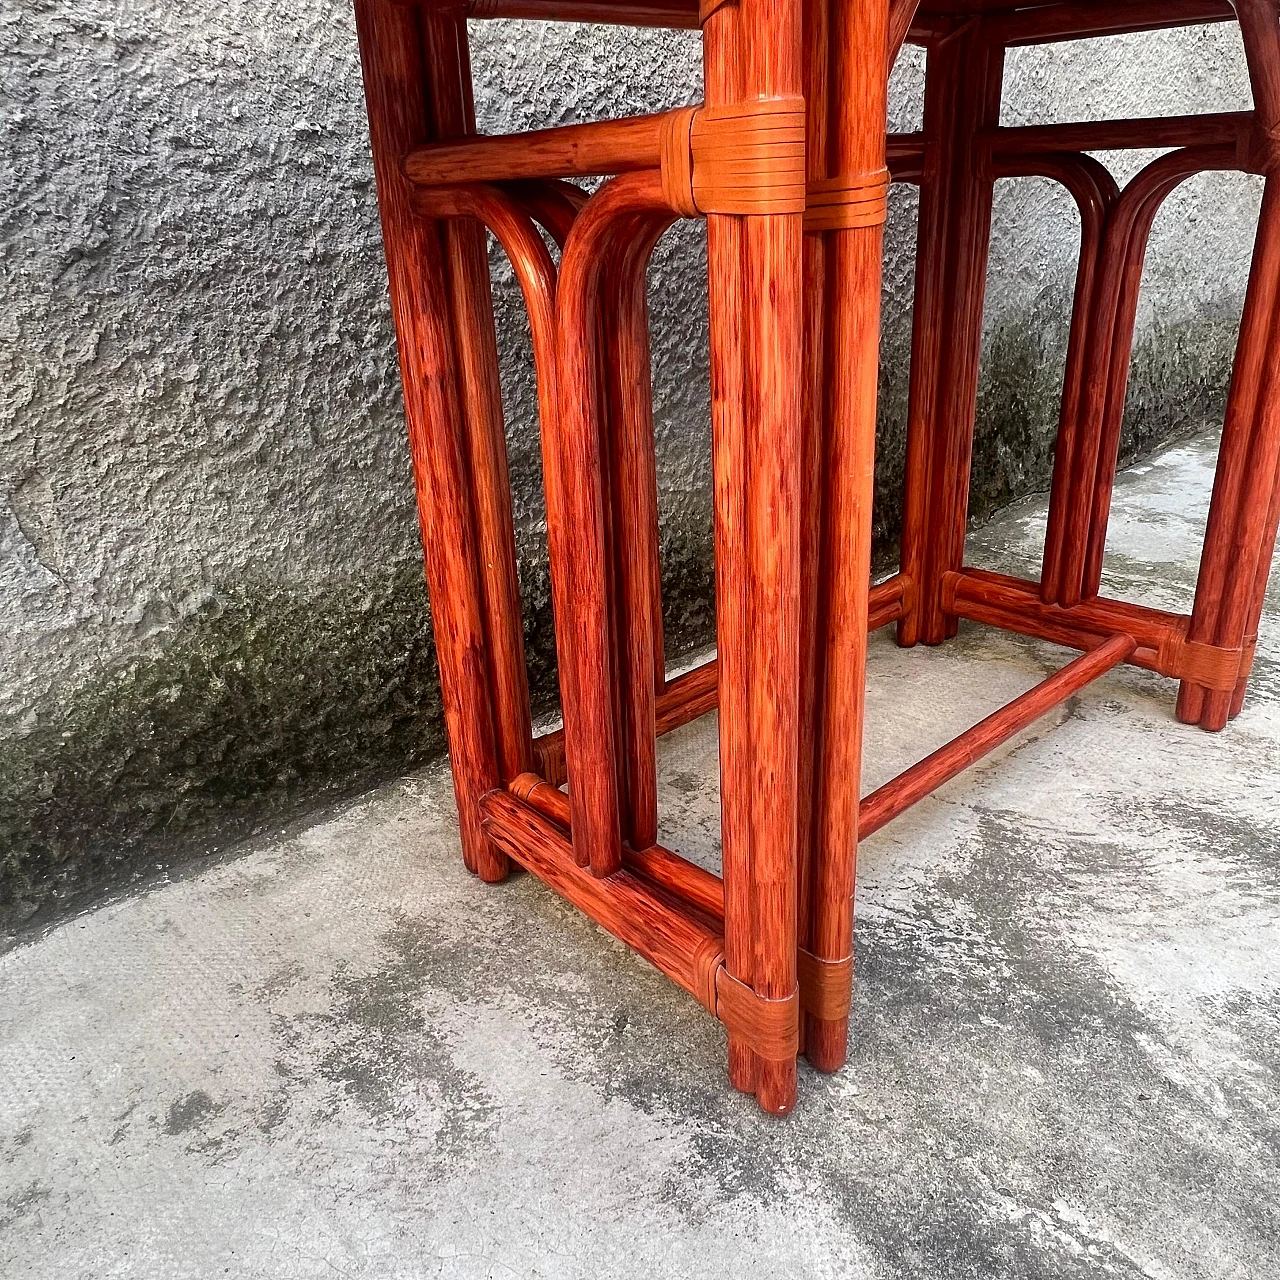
[339,1054]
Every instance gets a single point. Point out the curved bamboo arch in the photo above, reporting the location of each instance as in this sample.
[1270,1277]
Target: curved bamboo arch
[1095,192]
[591,728]
[1139,204]
[1115,232]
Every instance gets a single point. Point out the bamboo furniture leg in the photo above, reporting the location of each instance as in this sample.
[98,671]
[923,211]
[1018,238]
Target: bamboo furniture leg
[846,244]
[962,97]
[416,262]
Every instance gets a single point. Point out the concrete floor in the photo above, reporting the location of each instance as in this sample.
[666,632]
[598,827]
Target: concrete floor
[338,1055]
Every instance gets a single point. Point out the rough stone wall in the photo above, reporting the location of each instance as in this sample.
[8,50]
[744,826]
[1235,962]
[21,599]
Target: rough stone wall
[211,602]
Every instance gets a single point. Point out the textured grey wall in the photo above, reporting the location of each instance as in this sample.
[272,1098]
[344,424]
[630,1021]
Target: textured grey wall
[211,606]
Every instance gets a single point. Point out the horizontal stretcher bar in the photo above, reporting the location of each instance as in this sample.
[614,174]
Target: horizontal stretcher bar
[1230,128]
[671,935]
[685,879]
[687,697]
[686,949]
[629,144]
[672,14]
[908,788]
[1033,25]
[1085,19]
[1014,604]
[702,892]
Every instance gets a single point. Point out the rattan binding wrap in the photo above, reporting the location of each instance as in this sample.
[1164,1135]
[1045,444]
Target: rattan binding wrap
[1207,665]
[848,202]
[826,986]
[772,1026]
[677,161]
[746,158]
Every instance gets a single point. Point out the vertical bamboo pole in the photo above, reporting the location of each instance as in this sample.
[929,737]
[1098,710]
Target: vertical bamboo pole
[1242,499]
[1261,578]
[391,55]
[582,548]
[1254,526]
[723,73]
[976,66]
[962,96]
[1243,509]
[817,70]
[926,349]
[628,383]
[453,115]
[773,336]
[1093,221]
[1148,191]
[859,97]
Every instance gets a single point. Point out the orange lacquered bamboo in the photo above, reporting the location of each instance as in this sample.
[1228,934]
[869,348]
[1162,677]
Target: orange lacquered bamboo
[391,56]
[476,346]
[901,15]
[630,13]
[553,204]
[962,97]
[1231,128]
[723,76]
[1088,19]
[1013,604]
[816,310]
[1261,579]
[635,503]
[979,77]
[1155,189]
[569,151]
[685,698]
[641,915]
[1095,193]
[688,881]
[1240,513]
[536,275]
[859,35]
[591,731]
[921,779]
[887,601]
[771,43]
[1088,450]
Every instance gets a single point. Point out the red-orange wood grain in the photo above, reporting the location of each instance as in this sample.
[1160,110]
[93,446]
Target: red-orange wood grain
[395,93]
[794,327]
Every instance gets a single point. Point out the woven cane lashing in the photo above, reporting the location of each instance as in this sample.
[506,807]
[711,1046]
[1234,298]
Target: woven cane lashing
[1206,665]
[677,161]
[847,203]
[772,1026]
[826,986]
[748,157]
[745,158]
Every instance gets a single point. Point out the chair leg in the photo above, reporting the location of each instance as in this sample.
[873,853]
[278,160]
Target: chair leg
[723,74]
[753,51]
[476,351]
[1243,512]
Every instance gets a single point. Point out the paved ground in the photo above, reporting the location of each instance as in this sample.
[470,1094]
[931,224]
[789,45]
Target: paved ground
[337,1055]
